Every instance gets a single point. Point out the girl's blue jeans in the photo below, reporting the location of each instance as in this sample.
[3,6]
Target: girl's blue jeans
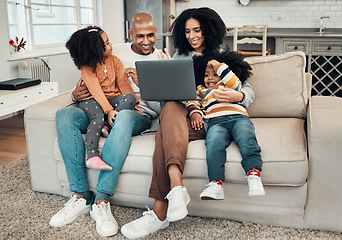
[71,122]
[221,132]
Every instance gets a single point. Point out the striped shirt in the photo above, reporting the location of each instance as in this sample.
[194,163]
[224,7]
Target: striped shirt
[208,106]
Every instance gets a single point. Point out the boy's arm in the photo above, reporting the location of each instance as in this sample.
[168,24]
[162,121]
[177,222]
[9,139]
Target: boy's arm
[228,77]
[194,105]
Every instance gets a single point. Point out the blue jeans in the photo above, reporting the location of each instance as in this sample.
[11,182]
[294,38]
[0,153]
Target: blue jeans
[71,122]
[221,132]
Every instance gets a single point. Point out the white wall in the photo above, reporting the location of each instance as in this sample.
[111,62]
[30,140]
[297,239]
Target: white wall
[273,13]
[63,69]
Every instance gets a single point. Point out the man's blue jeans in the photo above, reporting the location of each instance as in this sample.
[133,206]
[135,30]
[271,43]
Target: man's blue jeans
[71,122]
[221,132]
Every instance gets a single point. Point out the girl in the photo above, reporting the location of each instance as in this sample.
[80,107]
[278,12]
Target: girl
[103,74]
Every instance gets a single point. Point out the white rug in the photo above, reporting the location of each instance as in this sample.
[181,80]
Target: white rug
[24,214]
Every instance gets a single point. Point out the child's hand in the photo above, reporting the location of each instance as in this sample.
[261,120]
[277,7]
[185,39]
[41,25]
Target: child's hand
[212,63]
[196,121]
[132,72]
[111,116]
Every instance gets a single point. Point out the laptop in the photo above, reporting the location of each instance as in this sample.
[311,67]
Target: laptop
[166,80]
[19,83]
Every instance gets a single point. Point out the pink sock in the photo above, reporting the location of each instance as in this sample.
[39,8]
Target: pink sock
[97,163]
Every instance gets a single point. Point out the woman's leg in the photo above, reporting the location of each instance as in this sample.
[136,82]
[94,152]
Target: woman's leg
[71,122]
[171,146]
[127,123]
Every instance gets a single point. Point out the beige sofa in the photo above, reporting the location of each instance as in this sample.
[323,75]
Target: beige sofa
[300,137]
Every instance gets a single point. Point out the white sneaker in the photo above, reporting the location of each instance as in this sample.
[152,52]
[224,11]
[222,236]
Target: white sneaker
[106,224]
[72,209]
[255,186]
[213,191]
[147,224]
[178,200]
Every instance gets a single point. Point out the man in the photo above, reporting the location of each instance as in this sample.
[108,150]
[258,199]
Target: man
[71,122]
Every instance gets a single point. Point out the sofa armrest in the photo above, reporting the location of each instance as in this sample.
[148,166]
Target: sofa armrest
[40,131]
[324,208]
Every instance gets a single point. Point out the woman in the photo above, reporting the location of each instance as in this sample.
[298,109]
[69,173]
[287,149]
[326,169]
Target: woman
[195,31]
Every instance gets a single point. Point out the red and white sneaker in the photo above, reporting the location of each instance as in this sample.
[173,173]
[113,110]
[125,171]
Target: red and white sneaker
[254,183]
[213,191]
[97,163]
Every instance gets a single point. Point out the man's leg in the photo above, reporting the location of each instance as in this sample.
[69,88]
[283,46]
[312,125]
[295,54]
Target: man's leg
[70,122]
[115,150]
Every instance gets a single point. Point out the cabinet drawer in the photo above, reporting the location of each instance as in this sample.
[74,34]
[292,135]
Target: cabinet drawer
[327,47]
[290,46]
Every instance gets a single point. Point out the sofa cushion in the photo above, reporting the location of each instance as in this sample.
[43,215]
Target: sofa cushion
[279,85]
[282,141]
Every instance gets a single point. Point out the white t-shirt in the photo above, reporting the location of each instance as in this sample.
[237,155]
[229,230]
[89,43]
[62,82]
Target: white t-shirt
[128,57]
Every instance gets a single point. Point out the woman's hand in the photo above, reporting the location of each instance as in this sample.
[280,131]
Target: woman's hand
[111,116]
[132,73]
[227,95]
[164,56]
[196,121]
[81,92]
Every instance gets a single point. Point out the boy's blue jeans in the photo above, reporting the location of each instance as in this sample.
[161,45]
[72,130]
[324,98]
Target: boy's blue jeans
[71,122]
[221,132]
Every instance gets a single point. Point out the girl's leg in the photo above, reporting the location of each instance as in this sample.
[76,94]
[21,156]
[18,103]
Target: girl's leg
[217,140]
[93,134]
[115,150]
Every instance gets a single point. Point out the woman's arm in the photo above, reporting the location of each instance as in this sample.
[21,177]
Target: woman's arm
[226,95]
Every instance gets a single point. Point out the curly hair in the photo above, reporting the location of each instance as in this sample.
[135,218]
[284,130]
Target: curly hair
[234,60]
[212,26]
[86,47]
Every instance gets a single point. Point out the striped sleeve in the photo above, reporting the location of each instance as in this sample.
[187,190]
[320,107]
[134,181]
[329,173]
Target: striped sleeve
[228,77]
[195,106]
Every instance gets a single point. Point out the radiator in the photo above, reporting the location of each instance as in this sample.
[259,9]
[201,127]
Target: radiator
[34,68]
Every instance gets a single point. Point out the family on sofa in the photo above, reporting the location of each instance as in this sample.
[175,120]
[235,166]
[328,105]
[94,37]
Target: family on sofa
[197,33]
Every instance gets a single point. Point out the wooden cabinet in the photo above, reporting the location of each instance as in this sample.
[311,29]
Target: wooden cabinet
[324,62]
[15,100]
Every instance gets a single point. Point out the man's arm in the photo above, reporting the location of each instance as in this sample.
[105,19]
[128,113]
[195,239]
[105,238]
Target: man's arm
[80,93]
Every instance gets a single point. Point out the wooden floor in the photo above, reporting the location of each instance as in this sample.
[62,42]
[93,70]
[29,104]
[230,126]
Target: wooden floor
[12,139]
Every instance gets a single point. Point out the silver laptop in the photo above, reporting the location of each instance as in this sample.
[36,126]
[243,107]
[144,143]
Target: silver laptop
[166,80]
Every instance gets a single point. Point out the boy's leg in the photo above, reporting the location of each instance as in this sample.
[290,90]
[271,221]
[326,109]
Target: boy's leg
[243,133]
[217,140]
[244,136]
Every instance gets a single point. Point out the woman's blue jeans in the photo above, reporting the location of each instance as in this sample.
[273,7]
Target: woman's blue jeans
[71,122]
[221,132]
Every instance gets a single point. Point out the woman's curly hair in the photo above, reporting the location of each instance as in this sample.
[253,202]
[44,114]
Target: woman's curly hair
[234,60]
[86,47]
[212,26]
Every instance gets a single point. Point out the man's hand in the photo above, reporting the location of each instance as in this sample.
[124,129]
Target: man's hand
[132,73]
[196,121]
[81,92]
[111,116]
[227,95]
[164,56]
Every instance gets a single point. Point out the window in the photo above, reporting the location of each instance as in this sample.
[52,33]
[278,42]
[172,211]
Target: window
[47,24]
